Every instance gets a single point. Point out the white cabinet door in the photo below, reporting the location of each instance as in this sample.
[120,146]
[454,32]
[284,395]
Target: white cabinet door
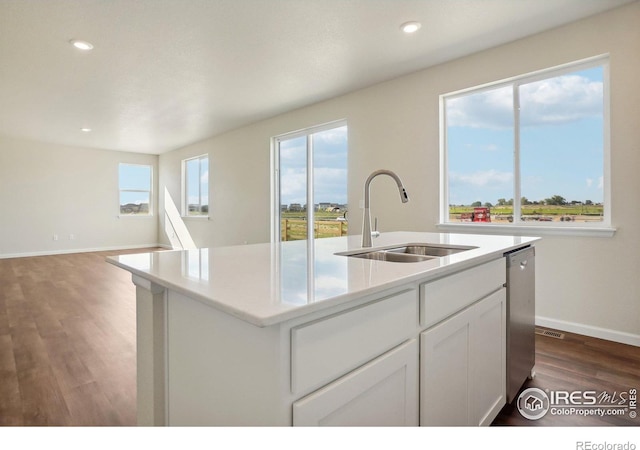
[487,350]
[383,392]
[462,366]
[444,372]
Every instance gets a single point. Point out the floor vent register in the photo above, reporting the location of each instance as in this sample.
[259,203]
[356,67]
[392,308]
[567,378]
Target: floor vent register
[549,333]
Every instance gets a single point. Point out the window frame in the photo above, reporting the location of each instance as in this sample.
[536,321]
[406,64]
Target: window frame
[275,175]
[150,191]
[603,228]
[185,190]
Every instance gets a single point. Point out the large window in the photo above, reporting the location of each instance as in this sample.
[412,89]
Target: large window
[196,186]
[135,182]
[311,183]
[531,151]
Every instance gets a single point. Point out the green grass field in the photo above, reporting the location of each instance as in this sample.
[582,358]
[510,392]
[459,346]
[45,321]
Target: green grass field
[293,225]
[319,215]
[553,212]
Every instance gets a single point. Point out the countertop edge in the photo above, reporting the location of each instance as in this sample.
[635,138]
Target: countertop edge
[340,300]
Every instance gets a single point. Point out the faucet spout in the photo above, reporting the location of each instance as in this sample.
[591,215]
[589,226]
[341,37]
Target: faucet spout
[366,220]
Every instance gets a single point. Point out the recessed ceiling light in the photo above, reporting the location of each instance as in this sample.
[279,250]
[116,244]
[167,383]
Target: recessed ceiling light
[81,45]
[410,27]
[85,130]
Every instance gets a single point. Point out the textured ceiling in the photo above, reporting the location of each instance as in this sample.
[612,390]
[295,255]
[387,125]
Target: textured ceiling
[167,73]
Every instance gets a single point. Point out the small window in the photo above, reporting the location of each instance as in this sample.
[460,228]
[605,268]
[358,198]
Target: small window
[135,182]
[530,151]
[196,186]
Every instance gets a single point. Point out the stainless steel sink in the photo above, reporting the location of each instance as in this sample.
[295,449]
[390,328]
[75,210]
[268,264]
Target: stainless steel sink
[392,256]
[408,252]
[429,250]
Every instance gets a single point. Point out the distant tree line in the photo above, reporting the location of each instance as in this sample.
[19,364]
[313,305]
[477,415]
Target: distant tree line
[554,200]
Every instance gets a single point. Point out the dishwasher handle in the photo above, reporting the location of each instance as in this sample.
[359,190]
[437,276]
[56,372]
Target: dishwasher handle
[520,257]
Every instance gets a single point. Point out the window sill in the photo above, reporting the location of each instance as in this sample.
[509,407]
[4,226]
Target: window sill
[135,216]
[195,217]
[528,230]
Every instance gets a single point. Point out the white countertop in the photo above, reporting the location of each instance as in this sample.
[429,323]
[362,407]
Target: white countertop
[265,284]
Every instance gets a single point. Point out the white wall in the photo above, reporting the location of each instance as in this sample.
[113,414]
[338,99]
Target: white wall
[239,188]
[48,189]
[589,285]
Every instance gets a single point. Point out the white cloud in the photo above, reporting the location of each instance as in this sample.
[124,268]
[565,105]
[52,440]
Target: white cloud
[293,186]
[560,100]
[330,185]
[293,156]
[487,178]
[599,185]
[329,162]
[557,100]
[490,109]
[333,136]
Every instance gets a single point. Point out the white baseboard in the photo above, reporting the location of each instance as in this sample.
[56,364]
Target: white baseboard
[588,330]
[81,250]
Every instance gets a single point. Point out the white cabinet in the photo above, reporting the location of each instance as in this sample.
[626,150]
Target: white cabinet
[383,392]
[488,359]
[444,371]
[428,352]
[462,365]
[443,297]
[328,348]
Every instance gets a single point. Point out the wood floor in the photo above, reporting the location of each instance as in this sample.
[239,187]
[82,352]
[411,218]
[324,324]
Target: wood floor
[67,341]
[580,363]
[68,349]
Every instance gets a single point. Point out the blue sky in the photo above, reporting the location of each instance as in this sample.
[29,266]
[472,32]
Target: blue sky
[561,141]
[330,168]
[134,177]
[197,180]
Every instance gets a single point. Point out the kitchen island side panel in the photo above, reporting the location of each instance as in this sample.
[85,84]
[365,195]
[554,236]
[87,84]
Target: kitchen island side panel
[224,371]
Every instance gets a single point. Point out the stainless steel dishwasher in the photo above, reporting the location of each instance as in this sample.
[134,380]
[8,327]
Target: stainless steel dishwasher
[521,312]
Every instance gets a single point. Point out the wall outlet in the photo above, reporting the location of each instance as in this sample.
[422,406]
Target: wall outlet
[55,237]
[72,237]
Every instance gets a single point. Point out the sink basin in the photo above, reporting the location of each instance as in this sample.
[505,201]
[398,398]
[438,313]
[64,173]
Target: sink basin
[429,250]
[392,256]
[408,252]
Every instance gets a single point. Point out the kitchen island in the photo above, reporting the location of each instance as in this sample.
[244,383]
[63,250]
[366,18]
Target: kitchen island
[304,334]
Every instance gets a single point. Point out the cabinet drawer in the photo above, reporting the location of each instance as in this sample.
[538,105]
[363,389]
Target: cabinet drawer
[383,392]
[323,350]
[445,296]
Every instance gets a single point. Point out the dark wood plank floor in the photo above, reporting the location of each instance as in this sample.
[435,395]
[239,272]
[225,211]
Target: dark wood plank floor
[580,363]
[67,349]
